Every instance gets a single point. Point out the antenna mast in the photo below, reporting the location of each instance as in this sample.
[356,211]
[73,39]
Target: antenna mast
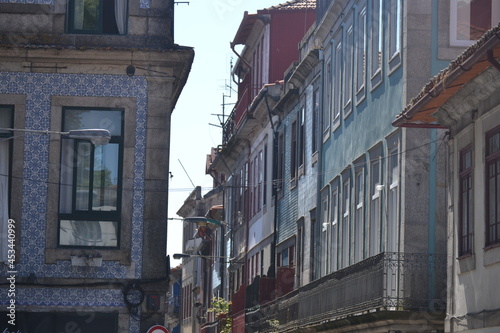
[222,117]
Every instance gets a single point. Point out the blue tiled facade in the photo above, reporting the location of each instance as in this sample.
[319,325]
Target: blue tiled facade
[143,3]
[287,205]
[38,89]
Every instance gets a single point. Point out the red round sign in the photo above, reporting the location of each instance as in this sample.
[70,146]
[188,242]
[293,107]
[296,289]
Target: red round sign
[157,329]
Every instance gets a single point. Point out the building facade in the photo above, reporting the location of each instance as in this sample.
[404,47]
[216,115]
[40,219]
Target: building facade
[464,99]
[376,259]
[203,272]
[90,220]
[360,211]
[248,154]
[173,301]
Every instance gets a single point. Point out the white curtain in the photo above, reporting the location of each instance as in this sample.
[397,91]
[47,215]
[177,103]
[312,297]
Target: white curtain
[121,15]
[4,199]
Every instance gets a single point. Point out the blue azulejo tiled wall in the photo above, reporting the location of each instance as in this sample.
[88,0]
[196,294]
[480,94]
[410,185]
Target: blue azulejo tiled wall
[75,297]
[142,3]
[38,89]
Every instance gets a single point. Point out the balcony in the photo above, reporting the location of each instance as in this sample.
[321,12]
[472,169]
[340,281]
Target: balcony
[384,285]
[235,118]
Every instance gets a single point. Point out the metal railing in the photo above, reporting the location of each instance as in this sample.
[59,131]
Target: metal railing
[385,282]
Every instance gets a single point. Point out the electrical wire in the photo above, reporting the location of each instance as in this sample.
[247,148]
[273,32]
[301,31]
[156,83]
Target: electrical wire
[274,182]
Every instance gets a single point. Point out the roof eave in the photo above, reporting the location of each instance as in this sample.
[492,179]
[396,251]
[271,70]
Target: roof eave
[445,79]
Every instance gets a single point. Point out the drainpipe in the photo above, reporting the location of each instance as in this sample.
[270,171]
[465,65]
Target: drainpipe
[432,214]
[274,189]
[241,59]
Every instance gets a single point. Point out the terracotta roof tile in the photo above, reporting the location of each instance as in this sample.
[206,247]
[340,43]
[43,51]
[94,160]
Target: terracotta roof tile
[294,5]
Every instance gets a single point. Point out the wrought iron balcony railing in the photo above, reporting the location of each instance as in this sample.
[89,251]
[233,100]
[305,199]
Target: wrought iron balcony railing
[385,282]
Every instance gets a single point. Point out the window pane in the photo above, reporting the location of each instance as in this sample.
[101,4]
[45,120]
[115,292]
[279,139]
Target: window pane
[66,186]
[86,14]
[375,226]
[334,240]
[361,52]
[395,21]
[105,177]
[375,208]
[83,160]
[494,144]
[349,53]
[359,218]
[88,233]
[284,257]
[345,224]
[89,119]
[328,93]
[393,203]
[337,79]
[5,119]
[315,120]
[466,204]
[473,18]
[376,42]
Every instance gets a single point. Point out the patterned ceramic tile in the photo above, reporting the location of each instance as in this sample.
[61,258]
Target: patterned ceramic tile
[40,2]
[143,3]
[86,297]
[38,89]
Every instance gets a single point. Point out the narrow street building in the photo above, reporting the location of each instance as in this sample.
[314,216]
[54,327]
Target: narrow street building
[358,240]
[203,270]
[248,154]
[88,251]
[464,98]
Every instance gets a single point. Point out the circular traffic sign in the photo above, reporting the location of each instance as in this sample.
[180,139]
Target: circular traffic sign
[157,329]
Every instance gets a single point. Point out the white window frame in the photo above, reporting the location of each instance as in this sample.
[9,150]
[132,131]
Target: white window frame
[359,220]
[346,223]
[376,43]
[395,33]
[337,83]
[393,198]
[375,194]
[327,107]
[361,54]
[348,57]
[334,247]
[325,235]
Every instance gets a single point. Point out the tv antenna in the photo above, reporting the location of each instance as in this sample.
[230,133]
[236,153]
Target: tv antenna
[222,116]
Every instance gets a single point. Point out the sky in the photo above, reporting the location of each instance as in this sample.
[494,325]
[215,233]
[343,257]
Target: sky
[208,26]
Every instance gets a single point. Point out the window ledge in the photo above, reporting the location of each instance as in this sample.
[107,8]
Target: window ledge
[466,263]
[326,134]
[394,63]
[300,172]
[491,255]
[53,255]
[336,124]
[314,158]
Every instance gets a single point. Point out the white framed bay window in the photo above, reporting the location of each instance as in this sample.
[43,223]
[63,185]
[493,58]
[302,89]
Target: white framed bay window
[91,181]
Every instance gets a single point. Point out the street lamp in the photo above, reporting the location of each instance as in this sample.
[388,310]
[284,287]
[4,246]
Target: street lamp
[178,256]
[96,136]
[199,220]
